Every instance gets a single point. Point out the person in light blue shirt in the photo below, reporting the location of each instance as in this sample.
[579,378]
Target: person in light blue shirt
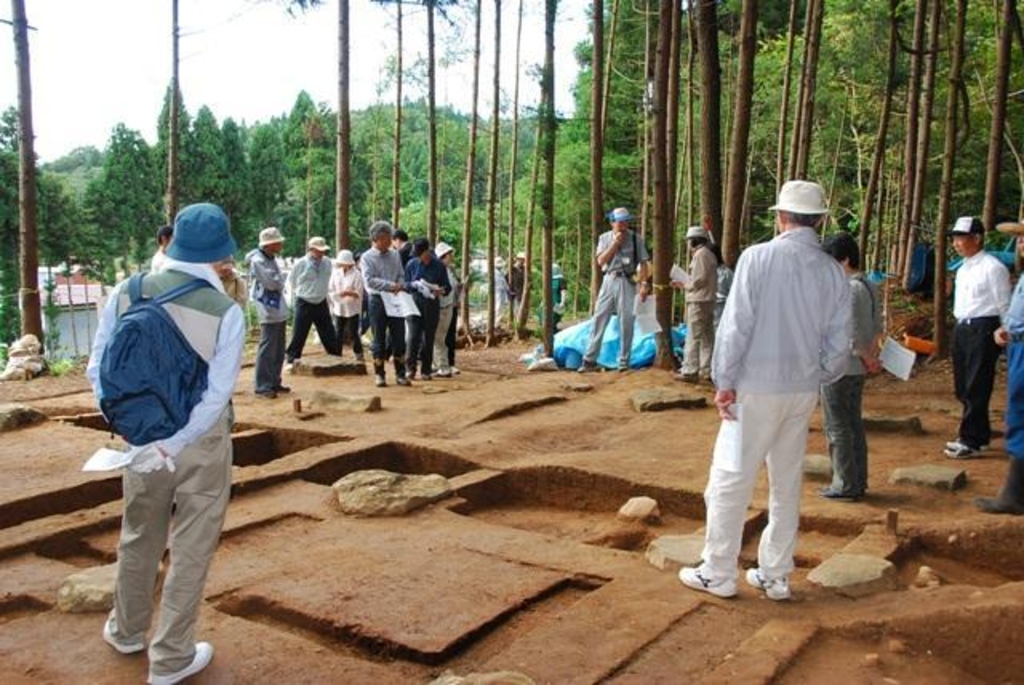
[1010,335]
[309,282]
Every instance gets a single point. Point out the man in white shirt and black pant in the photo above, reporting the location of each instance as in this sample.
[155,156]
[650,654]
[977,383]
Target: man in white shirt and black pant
[981,297]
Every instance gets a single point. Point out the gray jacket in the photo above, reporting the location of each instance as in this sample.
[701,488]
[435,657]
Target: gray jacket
[266,287]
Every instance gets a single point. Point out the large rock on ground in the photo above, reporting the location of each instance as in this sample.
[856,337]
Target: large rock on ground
[660,399]
[640,509]
[376,492]
[930,475]
[328,366]
[672,552]
[348,403]
[91,590]
[18,416]
[818,467]
[855,575]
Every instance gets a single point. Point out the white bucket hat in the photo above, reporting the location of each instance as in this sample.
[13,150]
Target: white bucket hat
[318,244]
[270,235]
[442,248]
[697,232]
[345,258]
[801,197]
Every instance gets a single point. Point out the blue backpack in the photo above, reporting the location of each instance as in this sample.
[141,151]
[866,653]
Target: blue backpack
[150,376]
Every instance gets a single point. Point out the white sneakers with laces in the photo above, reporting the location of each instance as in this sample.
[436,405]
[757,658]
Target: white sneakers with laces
[776,589]
[698,579]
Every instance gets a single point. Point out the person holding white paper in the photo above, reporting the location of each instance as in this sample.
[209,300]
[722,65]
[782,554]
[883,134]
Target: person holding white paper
[842,401]
[701,287]
[383,273]
[785,331]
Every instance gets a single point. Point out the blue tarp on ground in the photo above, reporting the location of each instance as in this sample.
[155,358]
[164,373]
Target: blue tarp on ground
[571,344]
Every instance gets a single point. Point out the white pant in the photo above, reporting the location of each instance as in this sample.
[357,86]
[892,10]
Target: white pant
[774,429]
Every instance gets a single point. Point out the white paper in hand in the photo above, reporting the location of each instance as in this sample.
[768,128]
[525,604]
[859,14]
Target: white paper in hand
[678,275]
[728,455]
[896,359]
[646,318]
[106,459]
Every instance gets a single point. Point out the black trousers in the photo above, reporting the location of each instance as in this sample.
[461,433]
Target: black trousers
[348,327]
[307,315]
[421,331]
[450,335]
[974,370]
[385,327]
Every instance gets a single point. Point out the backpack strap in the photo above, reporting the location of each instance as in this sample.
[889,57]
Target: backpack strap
[135,287]
[183,289]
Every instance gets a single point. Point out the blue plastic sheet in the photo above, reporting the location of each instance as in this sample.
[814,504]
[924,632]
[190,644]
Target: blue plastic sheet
[571,345]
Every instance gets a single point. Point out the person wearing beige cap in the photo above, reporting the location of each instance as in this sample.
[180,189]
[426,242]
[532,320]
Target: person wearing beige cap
[309,281]
[701,292]
[785,331]
[266,290]
[345,295]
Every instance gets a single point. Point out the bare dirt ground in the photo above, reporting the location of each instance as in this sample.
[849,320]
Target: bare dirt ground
[527,569]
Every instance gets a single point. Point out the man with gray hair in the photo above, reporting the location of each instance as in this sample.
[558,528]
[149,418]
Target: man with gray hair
[383,273]
[785,331]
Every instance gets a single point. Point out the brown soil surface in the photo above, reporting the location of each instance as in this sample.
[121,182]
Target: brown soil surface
[527,568]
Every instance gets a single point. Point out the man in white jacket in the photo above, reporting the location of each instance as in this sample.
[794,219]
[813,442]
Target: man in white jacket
[784,332]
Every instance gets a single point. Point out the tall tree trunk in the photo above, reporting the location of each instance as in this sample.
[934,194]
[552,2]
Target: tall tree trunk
[513,165]
[663,255]
[672,124]
[173,136]
[903,255]
[787,74]
[344,159]
[28,232]
[810,90]
[467,198]
[432,191]
[883,130]
[711,117]
[609,62]
[548,197]
[648,120]
[597,123]
[531,212]
[995,140]
[941,336]
[396,168]
[794,144]
[492,176]
[736,190]
[691,63]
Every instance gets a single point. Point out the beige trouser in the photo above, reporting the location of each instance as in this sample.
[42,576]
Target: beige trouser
[198,493]
[700,338]
[444,320]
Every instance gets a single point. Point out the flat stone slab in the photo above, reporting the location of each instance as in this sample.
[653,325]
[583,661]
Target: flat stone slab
[818,467]
[493,678]
[577,387]
[672,552]
[905,425]
[640,509]
[930,475]
[14,416]
[358,404]
[660,399]
[515,408]
[327,366]
[763,656]
[405,599]
[376,492]
[855,575]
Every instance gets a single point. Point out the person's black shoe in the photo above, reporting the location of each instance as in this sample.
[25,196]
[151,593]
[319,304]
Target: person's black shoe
[282,389]
[587,367]
[829,493]
[267,395]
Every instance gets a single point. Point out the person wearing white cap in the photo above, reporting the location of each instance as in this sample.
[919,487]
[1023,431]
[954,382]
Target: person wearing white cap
[517,282]
[701,292]
[266,289]
[309,281]
[623,259]
[785,331]
[447,302]
[345,294]
[981,296]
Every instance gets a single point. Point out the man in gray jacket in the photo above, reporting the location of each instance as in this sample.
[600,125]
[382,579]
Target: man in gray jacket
[785,331]
[267,286]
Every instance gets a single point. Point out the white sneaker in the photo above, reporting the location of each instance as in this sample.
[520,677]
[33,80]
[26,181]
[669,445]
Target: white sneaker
[122,647]
[696,579]
[455,371]
[202,659]
[776,589]
[956,445]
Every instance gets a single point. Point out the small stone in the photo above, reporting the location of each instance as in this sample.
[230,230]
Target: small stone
[897,646]
[890,681]
[927,577]
[855,575]
[660,399]
[672,552]
[18,415]
[91,590]
[953,539]
[376,492]
[577,387]
[818,467]
[930,475]
[359,404]
[640,509]
[872,660]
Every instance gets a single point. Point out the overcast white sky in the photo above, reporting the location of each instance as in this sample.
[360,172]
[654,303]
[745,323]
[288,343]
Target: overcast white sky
[96,63]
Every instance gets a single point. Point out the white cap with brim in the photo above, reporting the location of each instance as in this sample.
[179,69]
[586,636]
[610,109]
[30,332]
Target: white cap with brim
[696,232]
[270,236]
[801,197]
[318,244]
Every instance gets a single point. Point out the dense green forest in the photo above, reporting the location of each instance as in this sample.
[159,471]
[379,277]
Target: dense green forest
[99,209]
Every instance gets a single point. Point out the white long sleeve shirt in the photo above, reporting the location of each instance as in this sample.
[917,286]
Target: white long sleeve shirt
[223,366]
[786,326]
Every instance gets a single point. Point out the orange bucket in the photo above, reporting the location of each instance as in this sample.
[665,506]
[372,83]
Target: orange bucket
[918,344]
